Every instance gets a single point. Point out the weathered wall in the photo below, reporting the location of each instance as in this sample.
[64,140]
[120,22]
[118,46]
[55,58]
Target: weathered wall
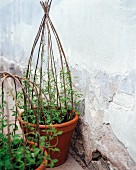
[107,122]
[100,40]
[19,21]
[99,37]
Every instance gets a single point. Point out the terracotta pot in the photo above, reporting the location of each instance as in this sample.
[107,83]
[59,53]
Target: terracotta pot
[44,163]
[41,167]
[63,140]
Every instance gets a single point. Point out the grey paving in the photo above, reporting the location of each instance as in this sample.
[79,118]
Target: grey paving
[70,164]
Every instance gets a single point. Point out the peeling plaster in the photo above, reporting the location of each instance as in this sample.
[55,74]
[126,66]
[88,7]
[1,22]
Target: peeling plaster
[110,104]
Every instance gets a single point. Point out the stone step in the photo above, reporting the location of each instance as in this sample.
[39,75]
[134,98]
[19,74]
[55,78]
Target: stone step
[70,164]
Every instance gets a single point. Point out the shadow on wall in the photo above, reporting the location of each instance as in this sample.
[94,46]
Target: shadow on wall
[10,66]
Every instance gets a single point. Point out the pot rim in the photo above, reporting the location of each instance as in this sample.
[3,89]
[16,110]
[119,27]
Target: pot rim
[46,126]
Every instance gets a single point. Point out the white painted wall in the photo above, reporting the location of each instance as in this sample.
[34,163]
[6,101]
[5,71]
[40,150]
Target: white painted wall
[100,34]
[99,37]
[19,21]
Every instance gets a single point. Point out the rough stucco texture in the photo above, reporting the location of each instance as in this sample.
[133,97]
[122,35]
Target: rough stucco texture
[108,118]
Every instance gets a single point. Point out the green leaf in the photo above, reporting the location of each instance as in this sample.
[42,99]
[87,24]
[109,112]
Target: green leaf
[59,132]
[51,164]
[56,149]
[55,160]
[78,113]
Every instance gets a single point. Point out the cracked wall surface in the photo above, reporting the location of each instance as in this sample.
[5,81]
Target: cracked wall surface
[100,42]
[108,118]
[102,56]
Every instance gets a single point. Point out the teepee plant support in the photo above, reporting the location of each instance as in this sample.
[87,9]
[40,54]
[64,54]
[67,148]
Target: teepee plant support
[43,63]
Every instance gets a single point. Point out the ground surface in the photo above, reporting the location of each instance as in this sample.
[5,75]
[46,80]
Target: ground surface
[70,164]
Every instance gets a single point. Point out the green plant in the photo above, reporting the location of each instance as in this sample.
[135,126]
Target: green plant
[31,134]
[48,111]
[19,155]
[51,89]
[45,95]
[15,151]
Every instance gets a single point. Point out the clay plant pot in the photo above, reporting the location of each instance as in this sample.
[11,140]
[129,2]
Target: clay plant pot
[44,163]
[63,140]
[41,167]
